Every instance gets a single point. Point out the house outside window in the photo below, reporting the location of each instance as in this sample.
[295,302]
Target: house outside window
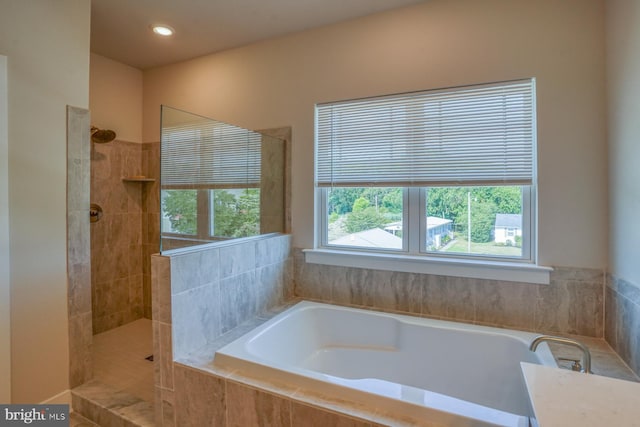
[445,173]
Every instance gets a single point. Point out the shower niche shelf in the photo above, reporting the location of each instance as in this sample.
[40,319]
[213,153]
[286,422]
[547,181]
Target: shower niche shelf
[137,178]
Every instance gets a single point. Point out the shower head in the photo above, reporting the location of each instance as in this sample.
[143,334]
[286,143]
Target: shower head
[101,136]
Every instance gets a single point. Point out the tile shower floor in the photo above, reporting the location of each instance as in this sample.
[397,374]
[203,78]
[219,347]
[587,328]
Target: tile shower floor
[119,358]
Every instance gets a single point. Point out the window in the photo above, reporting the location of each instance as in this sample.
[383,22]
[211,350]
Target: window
[211,214]
[441,173]
[211,178]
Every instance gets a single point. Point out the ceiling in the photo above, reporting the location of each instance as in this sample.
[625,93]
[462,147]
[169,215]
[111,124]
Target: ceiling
[120,28]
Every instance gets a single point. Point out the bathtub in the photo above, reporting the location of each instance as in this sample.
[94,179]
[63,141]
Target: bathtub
[448,373]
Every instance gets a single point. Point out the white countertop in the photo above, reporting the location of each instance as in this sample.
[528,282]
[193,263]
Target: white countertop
[563,398]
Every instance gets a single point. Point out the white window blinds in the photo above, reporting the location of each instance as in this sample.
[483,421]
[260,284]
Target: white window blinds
[472,135]
[209,154]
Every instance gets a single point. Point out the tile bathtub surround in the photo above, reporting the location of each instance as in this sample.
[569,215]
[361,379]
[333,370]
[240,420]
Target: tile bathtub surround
[78,244]
[203,293]
[572,304]
[206,394]
[221,399]
[214,289]
[622,322]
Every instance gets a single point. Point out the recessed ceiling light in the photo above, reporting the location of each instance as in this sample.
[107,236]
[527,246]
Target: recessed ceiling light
[163,30]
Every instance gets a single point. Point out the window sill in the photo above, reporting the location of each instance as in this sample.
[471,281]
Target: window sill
[476,269]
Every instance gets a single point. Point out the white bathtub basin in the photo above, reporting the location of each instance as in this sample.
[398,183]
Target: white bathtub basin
[446,372]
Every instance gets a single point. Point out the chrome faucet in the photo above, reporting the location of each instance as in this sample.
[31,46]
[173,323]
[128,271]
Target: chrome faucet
[586,356]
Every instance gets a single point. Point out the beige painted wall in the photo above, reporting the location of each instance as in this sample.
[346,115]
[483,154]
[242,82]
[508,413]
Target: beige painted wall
[115,97]
[623,85]
[5,287]
[47,46]
[435,44]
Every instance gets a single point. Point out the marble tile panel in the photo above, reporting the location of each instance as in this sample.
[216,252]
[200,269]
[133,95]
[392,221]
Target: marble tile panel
[166,356]
[236,259]
[101,298]
[610,319]
[138,414]
[309,416]
[334,403]
[161,288]
[77,184]
[136,296]
[505,303]
[153,230]
[168,414]
[79,241]
[449,297]
[133,192]
[131,161]
[250,407]
[586,311]
[157,354]
[238,300]
[102,416]
[79,279]
[209,409]
[196,318]
[194,269]
[315,281]
[101,164]
[577,274]
[627,290]
[100,402]
[348,286]
[628,334]
[288,279]
[78,120]
[157,405]
[109,321]
[624,319]
[328,283]
[552,308]
[117,200]
[134,228]
[146,296]
[168,402]
[270,286]
[77,420]
[135,260]
[396,291]
[80,345]
[273,250]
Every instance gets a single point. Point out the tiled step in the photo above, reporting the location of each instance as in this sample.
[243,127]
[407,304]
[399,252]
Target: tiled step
[77,420]
[109,407]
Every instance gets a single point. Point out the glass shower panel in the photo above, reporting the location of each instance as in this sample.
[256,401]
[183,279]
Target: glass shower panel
[218,181]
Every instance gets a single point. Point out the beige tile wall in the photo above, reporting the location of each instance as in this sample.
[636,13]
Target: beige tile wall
[622,322]
[573,303]
[123,239]
[150,217]
[78,258]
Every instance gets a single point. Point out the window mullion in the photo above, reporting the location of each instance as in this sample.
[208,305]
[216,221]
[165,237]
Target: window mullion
[202,217]
[528,223]
[414,230]
[323,219]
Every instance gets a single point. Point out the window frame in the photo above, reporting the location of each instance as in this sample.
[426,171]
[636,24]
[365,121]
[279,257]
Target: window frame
[414,236]
[204,216]
[414,256]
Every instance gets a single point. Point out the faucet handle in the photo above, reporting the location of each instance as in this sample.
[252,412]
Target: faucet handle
[575,366]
